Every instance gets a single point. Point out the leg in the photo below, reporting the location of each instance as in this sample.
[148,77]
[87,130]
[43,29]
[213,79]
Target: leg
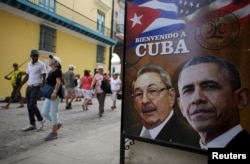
[46,110]
[8,104]
[66,93]
[53,108]
[33,102]
[13,93]
[29,106]
[102,102]
[19,95]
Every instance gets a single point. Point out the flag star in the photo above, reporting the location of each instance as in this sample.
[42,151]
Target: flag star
[197,5]
[185,3]
[191,4]
[136,19]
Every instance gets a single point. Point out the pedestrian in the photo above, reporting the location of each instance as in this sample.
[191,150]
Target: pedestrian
[78,88]
[69,78]
[154,99]
[93,94]
[35,75]
[211,99]
[100,94]
[63,87]
[15,79]
[116,86]
[86,89]
[50,105]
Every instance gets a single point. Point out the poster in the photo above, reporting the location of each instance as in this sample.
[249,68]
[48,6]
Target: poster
[167,33]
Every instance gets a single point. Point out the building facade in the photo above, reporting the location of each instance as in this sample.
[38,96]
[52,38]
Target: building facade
[79,32]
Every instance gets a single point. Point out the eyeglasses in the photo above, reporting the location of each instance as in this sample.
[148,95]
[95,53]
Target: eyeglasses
[151,93]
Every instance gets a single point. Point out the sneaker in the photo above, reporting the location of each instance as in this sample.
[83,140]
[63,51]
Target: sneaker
[41,124]
[30,127]
[59,125]
[51,136]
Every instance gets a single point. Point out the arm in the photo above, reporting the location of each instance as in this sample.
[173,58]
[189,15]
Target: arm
[106,76]
[25,79]
[6,77]
[43,79]
[93,82]
[56,89]
[120,87]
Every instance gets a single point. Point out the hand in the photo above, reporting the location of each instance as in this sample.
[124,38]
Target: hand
[53,96]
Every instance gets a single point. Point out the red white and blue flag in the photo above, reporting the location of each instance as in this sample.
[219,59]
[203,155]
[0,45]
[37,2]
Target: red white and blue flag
[157,17]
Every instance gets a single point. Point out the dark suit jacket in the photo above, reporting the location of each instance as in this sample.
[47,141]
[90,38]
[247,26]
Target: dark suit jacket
[240,142]
[175,131]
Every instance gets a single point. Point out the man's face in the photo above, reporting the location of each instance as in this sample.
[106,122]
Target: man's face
[153,108]
[207,100]
[34,57]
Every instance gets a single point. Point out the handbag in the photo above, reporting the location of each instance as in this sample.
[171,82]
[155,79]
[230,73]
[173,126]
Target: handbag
[46,91]
[105,86]
[119,95]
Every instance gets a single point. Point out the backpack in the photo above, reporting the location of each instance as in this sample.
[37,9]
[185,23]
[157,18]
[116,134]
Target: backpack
[105,86]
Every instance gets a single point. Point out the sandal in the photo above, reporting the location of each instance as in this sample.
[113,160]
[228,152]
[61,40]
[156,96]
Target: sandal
[5,107]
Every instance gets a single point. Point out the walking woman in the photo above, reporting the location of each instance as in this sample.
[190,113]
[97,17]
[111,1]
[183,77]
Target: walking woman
[116,86]
[50,106]
[86,89]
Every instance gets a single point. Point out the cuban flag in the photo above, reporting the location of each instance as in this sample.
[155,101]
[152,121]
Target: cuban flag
[152,17]
[157,17]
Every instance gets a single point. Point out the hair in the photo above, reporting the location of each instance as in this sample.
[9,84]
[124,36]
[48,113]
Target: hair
[15,65]
[58,65]
[157,69]
[225,67]
[86,72]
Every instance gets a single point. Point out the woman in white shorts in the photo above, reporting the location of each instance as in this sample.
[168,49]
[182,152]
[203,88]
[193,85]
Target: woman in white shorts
[86,89]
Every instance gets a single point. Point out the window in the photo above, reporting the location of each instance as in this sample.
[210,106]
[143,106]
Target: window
[121,21]
[100,54]
[47,4]
[100,22]
[47,38]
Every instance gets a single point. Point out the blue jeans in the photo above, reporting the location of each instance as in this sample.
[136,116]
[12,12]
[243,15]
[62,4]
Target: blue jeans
[50,110]
[31,97]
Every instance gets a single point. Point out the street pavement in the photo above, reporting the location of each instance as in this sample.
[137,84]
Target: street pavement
[84,138]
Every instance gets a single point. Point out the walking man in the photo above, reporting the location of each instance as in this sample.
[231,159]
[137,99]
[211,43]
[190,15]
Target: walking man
[69,78]
[15,79]
[35,75]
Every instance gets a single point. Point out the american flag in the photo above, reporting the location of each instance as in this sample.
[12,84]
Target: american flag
[157,17]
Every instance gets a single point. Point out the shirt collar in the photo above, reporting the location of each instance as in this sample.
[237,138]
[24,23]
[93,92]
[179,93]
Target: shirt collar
[222,140]
[155,131]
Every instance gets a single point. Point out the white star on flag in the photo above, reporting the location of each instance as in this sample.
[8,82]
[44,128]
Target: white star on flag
[136,20]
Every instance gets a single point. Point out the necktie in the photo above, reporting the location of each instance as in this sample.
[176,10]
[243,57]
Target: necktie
[146,134]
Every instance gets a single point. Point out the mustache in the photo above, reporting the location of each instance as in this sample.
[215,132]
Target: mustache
[200,110]
[148,107]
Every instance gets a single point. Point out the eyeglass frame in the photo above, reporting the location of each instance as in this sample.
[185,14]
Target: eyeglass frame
[151,97]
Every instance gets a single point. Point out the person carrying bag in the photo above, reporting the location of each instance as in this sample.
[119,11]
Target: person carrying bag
[50,106]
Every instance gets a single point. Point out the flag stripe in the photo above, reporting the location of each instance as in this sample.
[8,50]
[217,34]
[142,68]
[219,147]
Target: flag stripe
[164,22]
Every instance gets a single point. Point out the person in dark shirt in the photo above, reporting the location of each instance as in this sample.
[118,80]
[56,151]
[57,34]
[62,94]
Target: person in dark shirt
[50,106]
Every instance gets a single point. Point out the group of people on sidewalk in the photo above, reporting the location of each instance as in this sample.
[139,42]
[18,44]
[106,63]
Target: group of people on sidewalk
[36,76]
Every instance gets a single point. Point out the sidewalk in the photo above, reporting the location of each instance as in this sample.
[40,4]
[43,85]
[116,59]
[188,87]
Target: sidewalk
[94,145]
